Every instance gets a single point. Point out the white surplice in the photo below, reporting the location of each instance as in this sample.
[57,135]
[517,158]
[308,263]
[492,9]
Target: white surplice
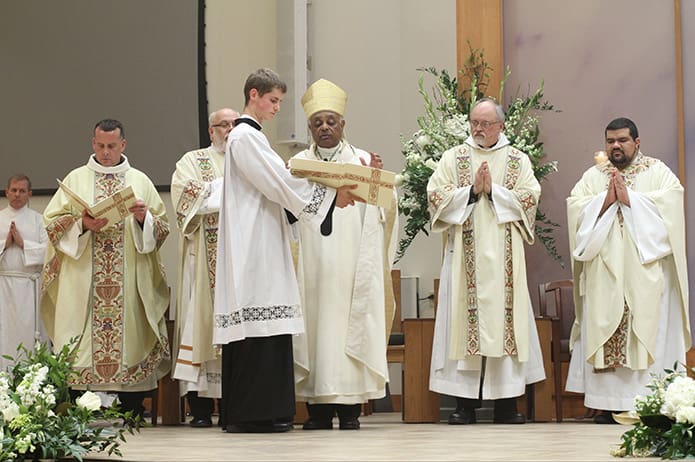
[256,292]
[631,291]
[484,307]
[20,271]
[341,359]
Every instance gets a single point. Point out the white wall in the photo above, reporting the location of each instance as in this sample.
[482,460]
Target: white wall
[370,48]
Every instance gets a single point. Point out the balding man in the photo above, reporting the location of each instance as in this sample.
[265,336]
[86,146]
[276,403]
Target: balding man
[196,191]
[484,195]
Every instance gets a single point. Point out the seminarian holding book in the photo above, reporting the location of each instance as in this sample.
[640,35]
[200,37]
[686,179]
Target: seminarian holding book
[345,284]
[103,281]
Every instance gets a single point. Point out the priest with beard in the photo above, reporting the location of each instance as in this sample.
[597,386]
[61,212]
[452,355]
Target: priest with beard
[484,195]
[627,237]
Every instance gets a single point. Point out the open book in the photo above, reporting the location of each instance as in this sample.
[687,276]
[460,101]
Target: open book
[375,186]
[114,208]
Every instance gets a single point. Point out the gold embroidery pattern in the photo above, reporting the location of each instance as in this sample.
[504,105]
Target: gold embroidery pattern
[107,293]
[615,348]
[188,196]
[639,165]
[161,230]
[211,223]
[463,168]
[57,228]
[205,166]
[509,339]
[473,340]
[511,175]
[108,305]
[437,196]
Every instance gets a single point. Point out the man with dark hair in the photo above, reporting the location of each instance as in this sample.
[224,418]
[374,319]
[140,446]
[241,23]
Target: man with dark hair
[627,238]
[196,192]
[484,195]
[257,305]
[22,248]
[104,282]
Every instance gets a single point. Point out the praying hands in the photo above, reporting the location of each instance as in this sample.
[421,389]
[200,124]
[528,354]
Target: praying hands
[13,237]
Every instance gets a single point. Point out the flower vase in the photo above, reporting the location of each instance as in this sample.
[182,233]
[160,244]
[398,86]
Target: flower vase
[656,421]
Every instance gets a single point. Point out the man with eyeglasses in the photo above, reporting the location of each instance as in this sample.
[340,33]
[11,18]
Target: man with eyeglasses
[484,195]
[196,192]
[627,237]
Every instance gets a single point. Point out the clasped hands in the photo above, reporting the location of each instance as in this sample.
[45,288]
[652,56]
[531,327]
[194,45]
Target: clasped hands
[13,237]
[138,209]
[617,191]
[483,180]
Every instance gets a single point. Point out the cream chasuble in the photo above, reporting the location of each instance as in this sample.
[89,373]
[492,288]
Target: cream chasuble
[196,191]
[256,293]
[108,288]
[341,358]
[485,309]
[630,279]
[20,271]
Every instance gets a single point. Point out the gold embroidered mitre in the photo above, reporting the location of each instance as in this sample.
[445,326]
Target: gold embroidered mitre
[324,95]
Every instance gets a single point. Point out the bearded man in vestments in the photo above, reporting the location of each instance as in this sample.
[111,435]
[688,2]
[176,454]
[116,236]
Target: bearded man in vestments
[345,284]
[196,192]
[484,195]
[22,247]
[103,283]
[257,304]
[627,238]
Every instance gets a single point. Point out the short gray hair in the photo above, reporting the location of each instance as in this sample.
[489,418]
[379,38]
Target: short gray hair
[498,108]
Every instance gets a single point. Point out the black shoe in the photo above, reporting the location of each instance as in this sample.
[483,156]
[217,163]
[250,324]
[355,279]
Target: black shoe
[350,424]
[463,416]
[514,418]
[605,417]
[200,423]
[317,424]
[260,427]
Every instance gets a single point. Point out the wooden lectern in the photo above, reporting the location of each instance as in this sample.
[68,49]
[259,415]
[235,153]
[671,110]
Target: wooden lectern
[419,403]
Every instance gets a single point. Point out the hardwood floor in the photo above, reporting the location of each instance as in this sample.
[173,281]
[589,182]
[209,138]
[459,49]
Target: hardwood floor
[382,437]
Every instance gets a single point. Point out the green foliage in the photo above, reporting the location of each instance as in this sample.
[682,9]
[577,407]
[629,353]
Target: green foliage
[38,419]
[666,420]
[445,125]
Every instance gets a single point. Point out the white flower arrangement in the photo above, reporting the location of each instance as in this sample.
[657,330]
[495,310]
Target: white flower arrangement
[37,418]
[664,420]
[445,125]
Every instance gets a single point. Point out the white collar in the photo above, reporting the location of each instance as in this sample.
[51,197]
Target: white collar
[502,141]
[97,167]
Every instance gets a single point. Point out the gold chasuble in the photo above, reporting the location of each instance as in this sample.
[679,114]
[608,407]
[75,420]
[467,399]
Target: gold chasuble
[489,314]
[190,186]
[108,288]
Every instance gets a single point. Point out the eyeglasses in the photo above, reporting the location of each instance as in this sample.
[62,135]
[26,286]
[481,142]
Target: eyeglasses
[224,124]
[484,124]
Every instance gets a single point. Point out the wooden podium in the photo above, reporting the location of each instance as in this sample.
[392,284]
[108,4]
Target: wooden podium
[419,403]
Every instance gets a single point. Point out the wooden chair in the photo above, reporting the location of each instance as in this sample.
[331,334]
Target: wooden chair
[560,294]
